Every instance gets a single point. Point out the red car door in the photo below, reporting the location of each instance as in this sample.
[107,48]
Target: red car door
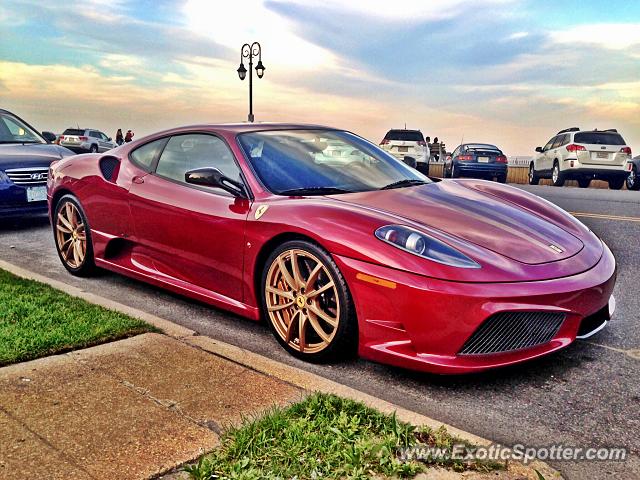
[190,233]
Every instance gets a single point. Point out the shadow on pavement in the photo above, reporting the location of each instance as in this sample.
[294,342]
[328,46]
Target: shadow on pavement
[23,223]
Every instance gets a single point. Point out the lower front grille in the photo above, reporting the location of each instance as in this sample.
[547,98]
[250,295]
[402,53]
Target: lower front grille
[509,331]
[28,176]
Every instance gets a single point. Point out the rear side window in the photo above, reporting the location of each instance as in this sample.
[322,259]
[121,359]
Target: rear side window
[405,135]
[73,131]
[145,155]
[558,141]
[599,138]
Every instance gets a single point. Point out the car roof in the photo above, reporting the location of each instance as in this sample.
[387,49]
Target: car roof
[246,127]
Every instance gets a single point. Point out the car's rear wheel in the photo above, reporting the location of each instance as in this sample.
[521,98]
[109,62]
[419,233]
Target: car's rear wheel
[455,173]
[307,302]
[73,237]
[501,178]
[616,183]
[534,179]
[584,182]
[557,177]
[93,149]
[633,183]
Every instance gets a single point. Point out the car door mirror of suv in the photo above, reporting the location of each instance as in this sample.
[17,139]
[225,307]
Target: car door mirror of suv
[50,137]
[539,149]
[212,177]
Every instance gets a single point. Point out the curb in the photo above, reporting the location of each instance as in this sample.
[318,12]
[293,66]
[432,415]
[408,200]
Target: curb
[286,373]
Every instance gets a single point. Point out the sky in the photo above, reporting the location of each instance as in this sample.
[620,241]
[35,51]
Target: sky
[508,72]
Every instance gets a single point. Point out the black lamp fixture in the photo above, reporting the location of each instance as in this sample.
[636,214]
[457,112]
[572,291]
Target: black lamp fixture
[251,51]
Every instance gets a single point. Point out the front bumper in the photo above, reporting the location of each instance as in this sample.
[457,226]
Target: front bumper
[420,323]
[13,202]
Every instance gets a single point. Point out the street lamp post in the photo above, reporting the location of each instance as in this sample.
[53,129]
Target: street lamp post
[251,51]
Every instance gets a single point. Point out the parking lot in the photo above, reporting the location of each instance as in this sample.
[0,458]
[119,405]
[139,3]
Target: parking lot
[586,396]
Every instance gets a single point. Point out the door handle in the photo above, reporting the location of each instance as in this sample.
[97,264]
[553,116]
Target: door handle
[138,179]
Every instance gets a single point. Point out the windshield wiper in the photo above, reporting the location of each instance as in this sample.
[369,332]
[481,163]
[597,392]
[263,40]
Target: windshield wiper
[313,191]
[404,183]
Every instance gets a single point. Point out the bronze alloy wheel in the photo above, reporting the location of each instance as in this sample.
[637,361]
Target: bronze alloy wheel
[70,235]
[302,301]
[73,237]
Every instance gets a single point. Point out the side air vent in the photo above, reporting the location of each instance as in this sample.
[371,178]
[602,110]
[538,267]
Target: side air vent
[509,331]
[109,168]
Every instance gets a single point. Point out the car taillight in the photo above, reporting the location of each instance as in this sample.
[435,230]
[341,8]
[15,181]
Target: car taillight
[422,143]
[82,138]
[61,137]
[465,158]
[501,159]
[384,141]
[576,148]
[626,150]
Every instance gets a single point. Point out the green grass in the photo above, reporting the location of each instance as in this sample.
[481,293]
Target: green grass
[37,320]
[324,436]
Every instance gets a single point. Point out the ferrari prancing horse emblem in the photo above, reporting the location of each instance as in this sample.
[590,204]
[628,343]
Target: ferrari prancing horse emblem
[262,209]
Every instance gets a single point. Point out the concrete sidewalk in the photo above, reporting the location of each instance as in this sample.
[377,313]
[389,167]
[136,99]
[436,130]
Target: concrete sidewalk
[128,409]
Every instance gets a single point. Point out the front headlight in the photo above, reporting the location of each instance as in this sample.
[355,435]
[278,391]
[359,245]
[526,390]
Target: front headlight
[424,246]
[3,177]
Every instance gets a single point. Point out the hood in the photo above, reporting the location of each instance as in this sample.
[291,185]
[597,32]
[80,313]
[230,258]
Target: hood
[30,155]
[474,216]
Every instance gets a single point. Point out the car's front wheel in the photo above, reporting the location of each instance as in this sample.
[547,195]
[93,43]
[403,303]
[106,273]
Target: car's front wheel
[307,302]
[73,237]
[633,183]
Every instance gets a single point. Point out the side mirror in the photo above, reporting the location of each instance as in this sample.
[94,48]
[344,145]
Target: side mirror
[50,137]
[109,138]
[539,149]
[212,177]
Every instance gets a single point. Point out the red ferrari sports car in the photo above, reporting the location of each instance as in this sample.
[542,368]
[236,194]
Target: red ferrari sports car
[338,245]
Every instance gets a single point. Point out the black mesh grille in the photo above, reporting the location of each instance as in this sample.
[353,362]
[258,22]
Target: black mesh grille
[108,167]
[508,331]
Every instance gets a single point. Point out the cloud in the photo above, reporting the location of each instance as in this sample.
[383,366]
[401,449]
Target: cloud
[614,36]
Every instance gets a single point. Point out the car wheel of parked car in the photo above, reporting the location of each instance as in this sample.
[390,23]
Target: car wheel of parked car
[454,171]
[93,149]
[307,303]
[502,179]
[557,177]
[584,182]
[632,180]
[534,179]
[616,183]
[73,237]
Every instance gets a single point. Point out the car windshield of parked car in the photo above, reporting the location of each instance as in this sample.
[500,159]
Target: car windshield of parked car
[323,162]
[12,130]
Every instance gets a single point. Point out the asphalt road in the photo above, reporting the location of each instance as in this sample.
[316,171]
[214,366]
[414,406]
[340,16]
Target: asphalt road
[587,395]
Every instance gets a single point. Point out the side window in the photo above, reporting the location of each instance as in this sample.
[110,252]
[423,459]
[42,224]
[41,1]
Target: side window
[191,151]
[558,141]
[93,134]
[565,140]
[455,152]
[549,144]
[145,155]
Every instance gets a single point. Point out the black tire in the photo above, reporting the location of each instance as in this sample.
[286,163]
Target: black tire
[454,171]
[633,182]
[501,179]
[557,177]
[584,182]
[345,340]
[616,183]
[93,149]
[534,179]
[87,267]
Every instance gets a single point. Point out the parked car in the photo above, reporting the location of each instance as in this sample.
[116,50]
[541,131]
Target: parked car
[25,156]
[633,167]
[86,140]
[582,155]
[371,255]
[479,160]
[403,143]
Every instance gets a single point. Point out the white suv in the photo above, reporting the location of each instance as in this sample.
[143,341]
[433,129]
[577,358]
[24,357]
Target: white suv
[403,143]
[582,155]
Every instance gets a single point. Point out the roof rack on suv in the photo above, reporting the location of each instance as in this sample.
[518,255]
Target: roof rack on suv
[572,129]
[611,130]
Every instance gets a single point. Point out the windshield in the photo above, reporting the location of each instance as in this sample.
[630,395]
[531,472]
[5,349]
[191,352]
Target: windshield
[323,162]
[13,130]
